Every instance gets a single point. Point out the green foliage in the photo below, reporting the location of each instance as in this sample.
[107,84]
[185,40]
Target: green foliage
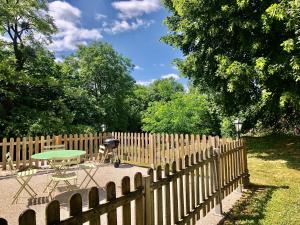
[162,90]
[228,127]
[99,83]
[238,51]
[38,106]
[185,113]
[26,24]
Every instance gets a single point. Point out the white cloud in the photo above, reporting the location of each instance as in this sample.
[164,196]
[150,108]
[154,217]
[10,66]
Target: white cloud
[70,33]
[145,82]
[167,76]
[100,16]
[171,75]
[137,67]
[59,59]
[119,26]
[134,8]
[174,67]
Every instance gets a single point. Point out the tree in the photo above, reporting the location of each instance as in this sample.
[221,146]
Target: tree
[244,53]
[25,23]
[39,97]
[185,113]
[101,78]
[163,90]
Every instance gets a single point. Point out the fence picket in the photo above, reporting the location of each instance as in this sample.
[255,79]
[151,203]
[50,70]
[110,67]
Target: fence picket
[151,197]
[167,197]
[197,184]
[187,187]
[93,203]
[4,149]
[203,186]
[71,141]
[110,196]
[27,217]
[159,198]
[181,198]
[76,207]
[52,213]
[175,193]
[36,149]
[24,150]
[42,148]
[193,205]
[126,215]
[30,144]
[91,146]
[11,148]
[139,207]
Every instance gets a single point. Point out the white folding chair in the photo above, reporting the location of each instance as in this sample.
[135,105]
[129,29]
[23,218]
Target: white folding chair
[23,179]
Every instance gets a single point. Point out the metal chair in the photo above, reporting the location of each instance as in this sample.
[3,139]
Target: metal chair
[62,173]
[23,179]
[90,168]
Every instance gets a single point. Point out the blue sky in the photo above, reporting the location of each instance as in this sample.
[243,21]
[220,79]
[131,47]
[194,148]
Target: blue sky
[133,27]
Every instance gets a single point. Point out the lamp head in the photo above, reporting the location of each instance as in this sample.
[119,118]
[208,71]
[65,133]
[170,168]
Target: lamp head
[238,125]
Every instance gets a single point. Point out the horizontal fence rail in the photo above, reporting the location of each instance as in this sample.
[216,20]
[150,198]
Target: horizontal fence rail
[181,192]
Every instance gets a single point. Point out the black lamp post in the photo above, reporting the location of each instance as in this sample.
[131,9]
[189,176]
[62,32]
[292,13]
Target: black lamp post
[238,127]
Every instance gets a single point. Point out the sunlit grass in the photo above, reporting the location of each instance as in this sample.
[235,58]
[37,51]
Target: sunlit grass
[274,195]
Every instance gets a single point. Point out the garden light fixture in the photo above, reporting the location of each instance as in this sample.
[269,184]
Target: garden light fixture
[238,127]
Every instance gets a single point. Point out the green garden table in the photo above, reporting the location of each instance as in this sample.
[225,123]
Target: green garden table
[61,154]
[54,156]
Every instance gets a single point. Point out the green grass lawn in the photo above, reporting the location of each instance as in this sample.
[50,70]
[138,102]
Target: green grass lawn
[274,194]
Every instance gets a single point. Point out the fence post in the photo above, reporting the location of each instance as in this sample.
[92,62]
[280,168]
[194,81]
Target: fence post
[218,207]
[246,177]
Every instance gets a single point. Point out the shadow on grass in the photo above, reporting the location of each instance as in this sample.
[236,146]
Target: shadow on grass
[250,209]
[276,147]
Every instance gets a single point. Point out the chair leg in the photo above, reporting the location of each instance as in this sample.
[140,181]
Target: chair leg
[92,177]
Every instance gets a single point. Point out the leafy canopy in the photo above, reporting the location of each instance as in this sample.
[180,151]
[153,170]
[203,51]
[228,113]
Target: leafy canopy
[244,53]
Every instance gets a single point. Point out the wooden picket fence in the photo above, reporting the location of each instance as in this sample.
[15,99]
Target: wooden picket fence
[178,193]
[142,149]
[152,150]
[21,149]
